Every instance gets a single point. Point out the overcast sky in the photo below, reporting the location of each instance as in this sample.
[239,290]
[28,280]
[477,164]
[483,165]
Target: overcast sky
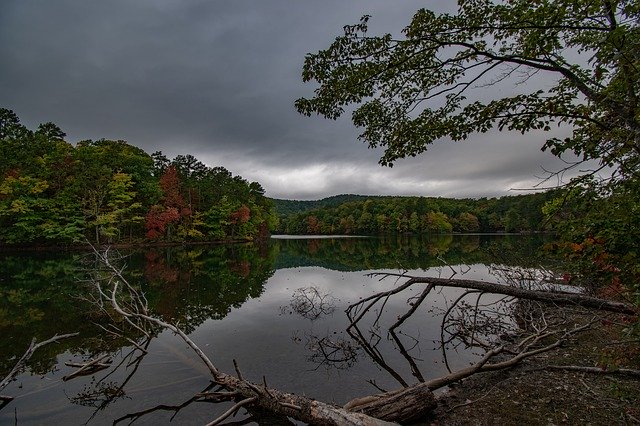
[218,79]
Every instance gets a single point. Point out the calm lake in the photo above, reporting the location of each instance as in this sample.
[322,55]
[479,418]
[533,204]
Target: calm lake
[277,308]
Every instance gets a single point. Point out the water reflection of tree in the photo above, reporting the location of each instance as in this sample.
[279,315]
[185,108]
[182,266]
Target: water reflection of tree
[332,350]
[38,299]
[474,320]
[403,252]
[43,295]
[99,393]
[193,284]
[311,304]
[184,286]
[210,282]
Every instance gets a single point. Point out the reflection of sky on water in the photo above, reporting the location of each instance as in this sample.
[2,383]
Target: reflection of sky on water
[265,338]
[260,336]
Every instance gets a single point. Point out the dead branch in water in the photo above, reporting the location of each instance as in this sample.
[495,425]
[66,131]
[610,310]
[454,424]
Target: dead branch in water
[89,367]
[559,298]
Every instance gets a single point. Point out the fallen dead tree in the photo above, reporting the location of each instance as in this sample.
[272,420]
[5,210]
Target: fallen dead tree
[556,297]
[409,403]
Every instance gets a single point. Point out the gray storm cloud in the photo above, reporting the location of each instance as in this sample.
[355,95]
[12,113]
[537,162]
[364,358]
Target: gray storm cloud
[218,80]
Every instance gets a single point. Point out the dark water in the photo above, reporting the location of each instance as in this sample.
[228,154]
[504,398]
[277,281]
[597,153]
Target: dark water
[277,308]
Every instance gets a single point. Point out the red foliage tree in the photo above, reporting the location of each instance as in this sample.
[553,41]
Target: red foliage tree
[313,225]
[171,209]
[170,185]
[242,215]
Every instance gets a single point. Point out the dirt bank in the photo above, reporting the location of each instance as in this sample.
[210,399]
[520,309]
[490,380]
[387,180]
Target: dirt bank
[532,394]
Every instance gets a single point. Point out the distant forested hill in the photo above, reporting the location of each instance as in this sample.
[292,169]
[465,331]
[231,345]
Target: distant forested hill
[368,215]
[287,207]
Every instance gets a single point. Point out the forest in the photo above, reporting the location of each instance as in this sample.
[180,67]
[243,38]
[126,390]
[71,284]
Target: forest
[110,192]
[416,215]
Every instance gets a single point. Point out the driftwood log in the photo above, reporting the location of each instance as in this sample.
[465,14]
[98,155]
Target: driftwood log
[559,298]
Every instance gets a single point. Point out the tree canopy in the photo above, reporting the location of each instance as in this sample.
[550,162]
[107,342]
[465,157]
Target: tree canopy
[109,191]
[431,83]
[362,215]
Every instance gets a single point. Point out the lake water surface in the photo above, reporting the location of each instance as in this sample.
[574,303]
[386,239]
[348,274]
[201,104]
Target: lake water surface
[277,308]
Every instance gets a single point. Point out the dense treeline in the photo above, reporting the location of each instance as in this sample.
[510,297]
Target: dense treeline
[288,207]
[109,191]
[384,215]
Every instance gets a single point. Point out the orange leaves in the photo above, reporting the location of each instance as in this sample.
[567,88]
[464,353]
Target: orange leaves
[242,215]
[170,184]
[157,220]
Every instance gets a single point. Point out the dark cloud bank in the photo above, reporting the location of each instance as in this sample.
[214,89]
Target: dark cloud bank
[217,79]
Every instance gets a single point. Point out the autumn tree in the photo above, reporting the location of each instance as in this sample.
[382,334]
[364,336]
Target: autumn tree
[162,217]
[467,222]
[54,192]
[313,226]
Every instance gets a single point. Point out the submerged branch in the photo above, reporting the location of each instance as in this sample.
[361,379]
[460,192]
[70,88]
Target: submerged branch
[298,407]
[407,404]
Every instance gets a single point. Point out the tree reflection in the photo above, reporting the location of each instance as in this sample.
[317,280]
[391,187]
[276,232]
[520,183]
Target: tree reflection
[472,321]
[334,352]
[310,304]
[45,294]
[402,252]
[188,286]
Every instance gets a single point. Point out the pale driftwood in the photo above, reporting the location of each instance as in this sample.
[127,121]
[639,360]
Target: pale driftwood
[232,410]
[556,297]
[90,367]
[403,405]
